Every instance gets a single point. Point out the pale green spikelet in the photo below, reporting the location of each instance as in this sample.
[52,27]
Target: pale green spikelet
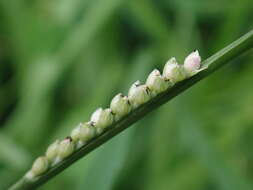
[39,167]
[173,71]
[52,151]
[66,148]
[102,119]
[120,106]
[138,94]
[157,83]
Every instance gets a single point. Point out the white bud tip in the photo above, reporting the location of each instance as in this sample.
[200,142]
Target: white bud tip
[120,105]
[75,133]
[40,166]
[102,118]
[66,147]
[173,71]
[96,115]
[52,150]
[138,95]
[87,132]
[192,62]
[155,72]
[172,61]
[156,83]
[137,83]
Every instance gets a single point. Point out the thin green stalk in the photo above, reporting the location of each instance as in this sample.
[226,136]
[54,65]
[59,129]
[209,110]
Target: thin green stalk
[211,64]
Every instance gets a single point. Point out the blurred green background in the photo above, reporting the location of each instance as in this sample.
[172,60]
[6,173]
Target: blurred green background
[61,59]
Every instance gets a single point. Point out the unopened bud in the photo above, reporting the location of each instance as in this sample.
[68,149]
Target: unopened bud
[75,133]
[157,83]
[87,132]
[39,167]
[66,148]
[138,94]
[102,119]
[120,106]
[173,71]
[192,63]
[52,151]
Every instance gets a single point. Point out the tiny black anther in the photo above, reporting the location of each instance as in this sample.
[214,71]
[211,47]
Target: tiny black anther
[194,50]
[147,90]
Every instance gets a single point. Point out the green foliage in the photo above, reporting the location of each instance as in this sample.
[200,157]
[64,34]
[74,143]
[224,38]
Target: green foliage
[59,63]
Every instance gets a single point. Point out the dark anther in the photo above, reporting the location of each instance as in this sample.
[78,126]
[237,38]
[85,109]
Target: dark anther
[147,90]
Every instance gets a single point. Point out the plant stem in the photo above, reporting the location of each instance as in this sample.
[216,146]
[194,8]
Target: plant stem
[211,64]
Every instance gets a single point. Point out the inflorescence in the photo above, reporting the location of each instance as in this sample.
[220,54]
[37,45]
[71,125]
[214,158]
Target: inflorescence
[120,106]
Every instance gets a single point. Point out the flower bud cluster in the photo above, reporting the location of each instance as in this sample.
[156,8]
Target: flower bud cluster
[120,106]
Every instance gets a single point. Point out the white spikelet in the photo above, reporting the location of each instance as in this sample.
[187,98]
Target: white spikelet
[75,133]
[120,106]
[192,63]
[173,71]
[138,94]
[157,83]
[52,151]
[86,132]
[66,148]
[39,167]
[102,119]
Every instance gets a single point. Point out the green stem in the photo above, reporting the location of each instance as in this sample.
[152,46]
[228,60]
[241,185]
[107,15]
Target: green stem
[211,64]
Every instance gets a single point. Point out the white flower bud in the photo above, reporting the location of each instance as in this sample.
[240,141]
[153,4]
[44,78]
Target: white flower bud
[134,85]
[138,94]
[102,119]
[173,71]
[192,63]
[66,148]
[39,167]
[157,83]
[120,106]
[52,151]
[87,132]
[75,133]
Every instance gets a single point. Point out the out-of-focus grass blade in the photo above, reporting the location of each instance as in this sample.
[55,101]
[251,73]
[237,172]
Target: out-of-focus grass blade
[226,177]
[13,155]
[108,163]
[149,19]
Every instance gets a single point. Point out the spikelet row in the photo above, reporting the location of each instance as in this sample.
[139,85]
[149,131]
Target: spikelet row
[120,106]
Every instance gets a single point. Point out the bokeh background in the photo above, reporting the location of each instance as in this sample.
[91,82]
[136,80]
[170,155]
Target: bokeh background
[61,59]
